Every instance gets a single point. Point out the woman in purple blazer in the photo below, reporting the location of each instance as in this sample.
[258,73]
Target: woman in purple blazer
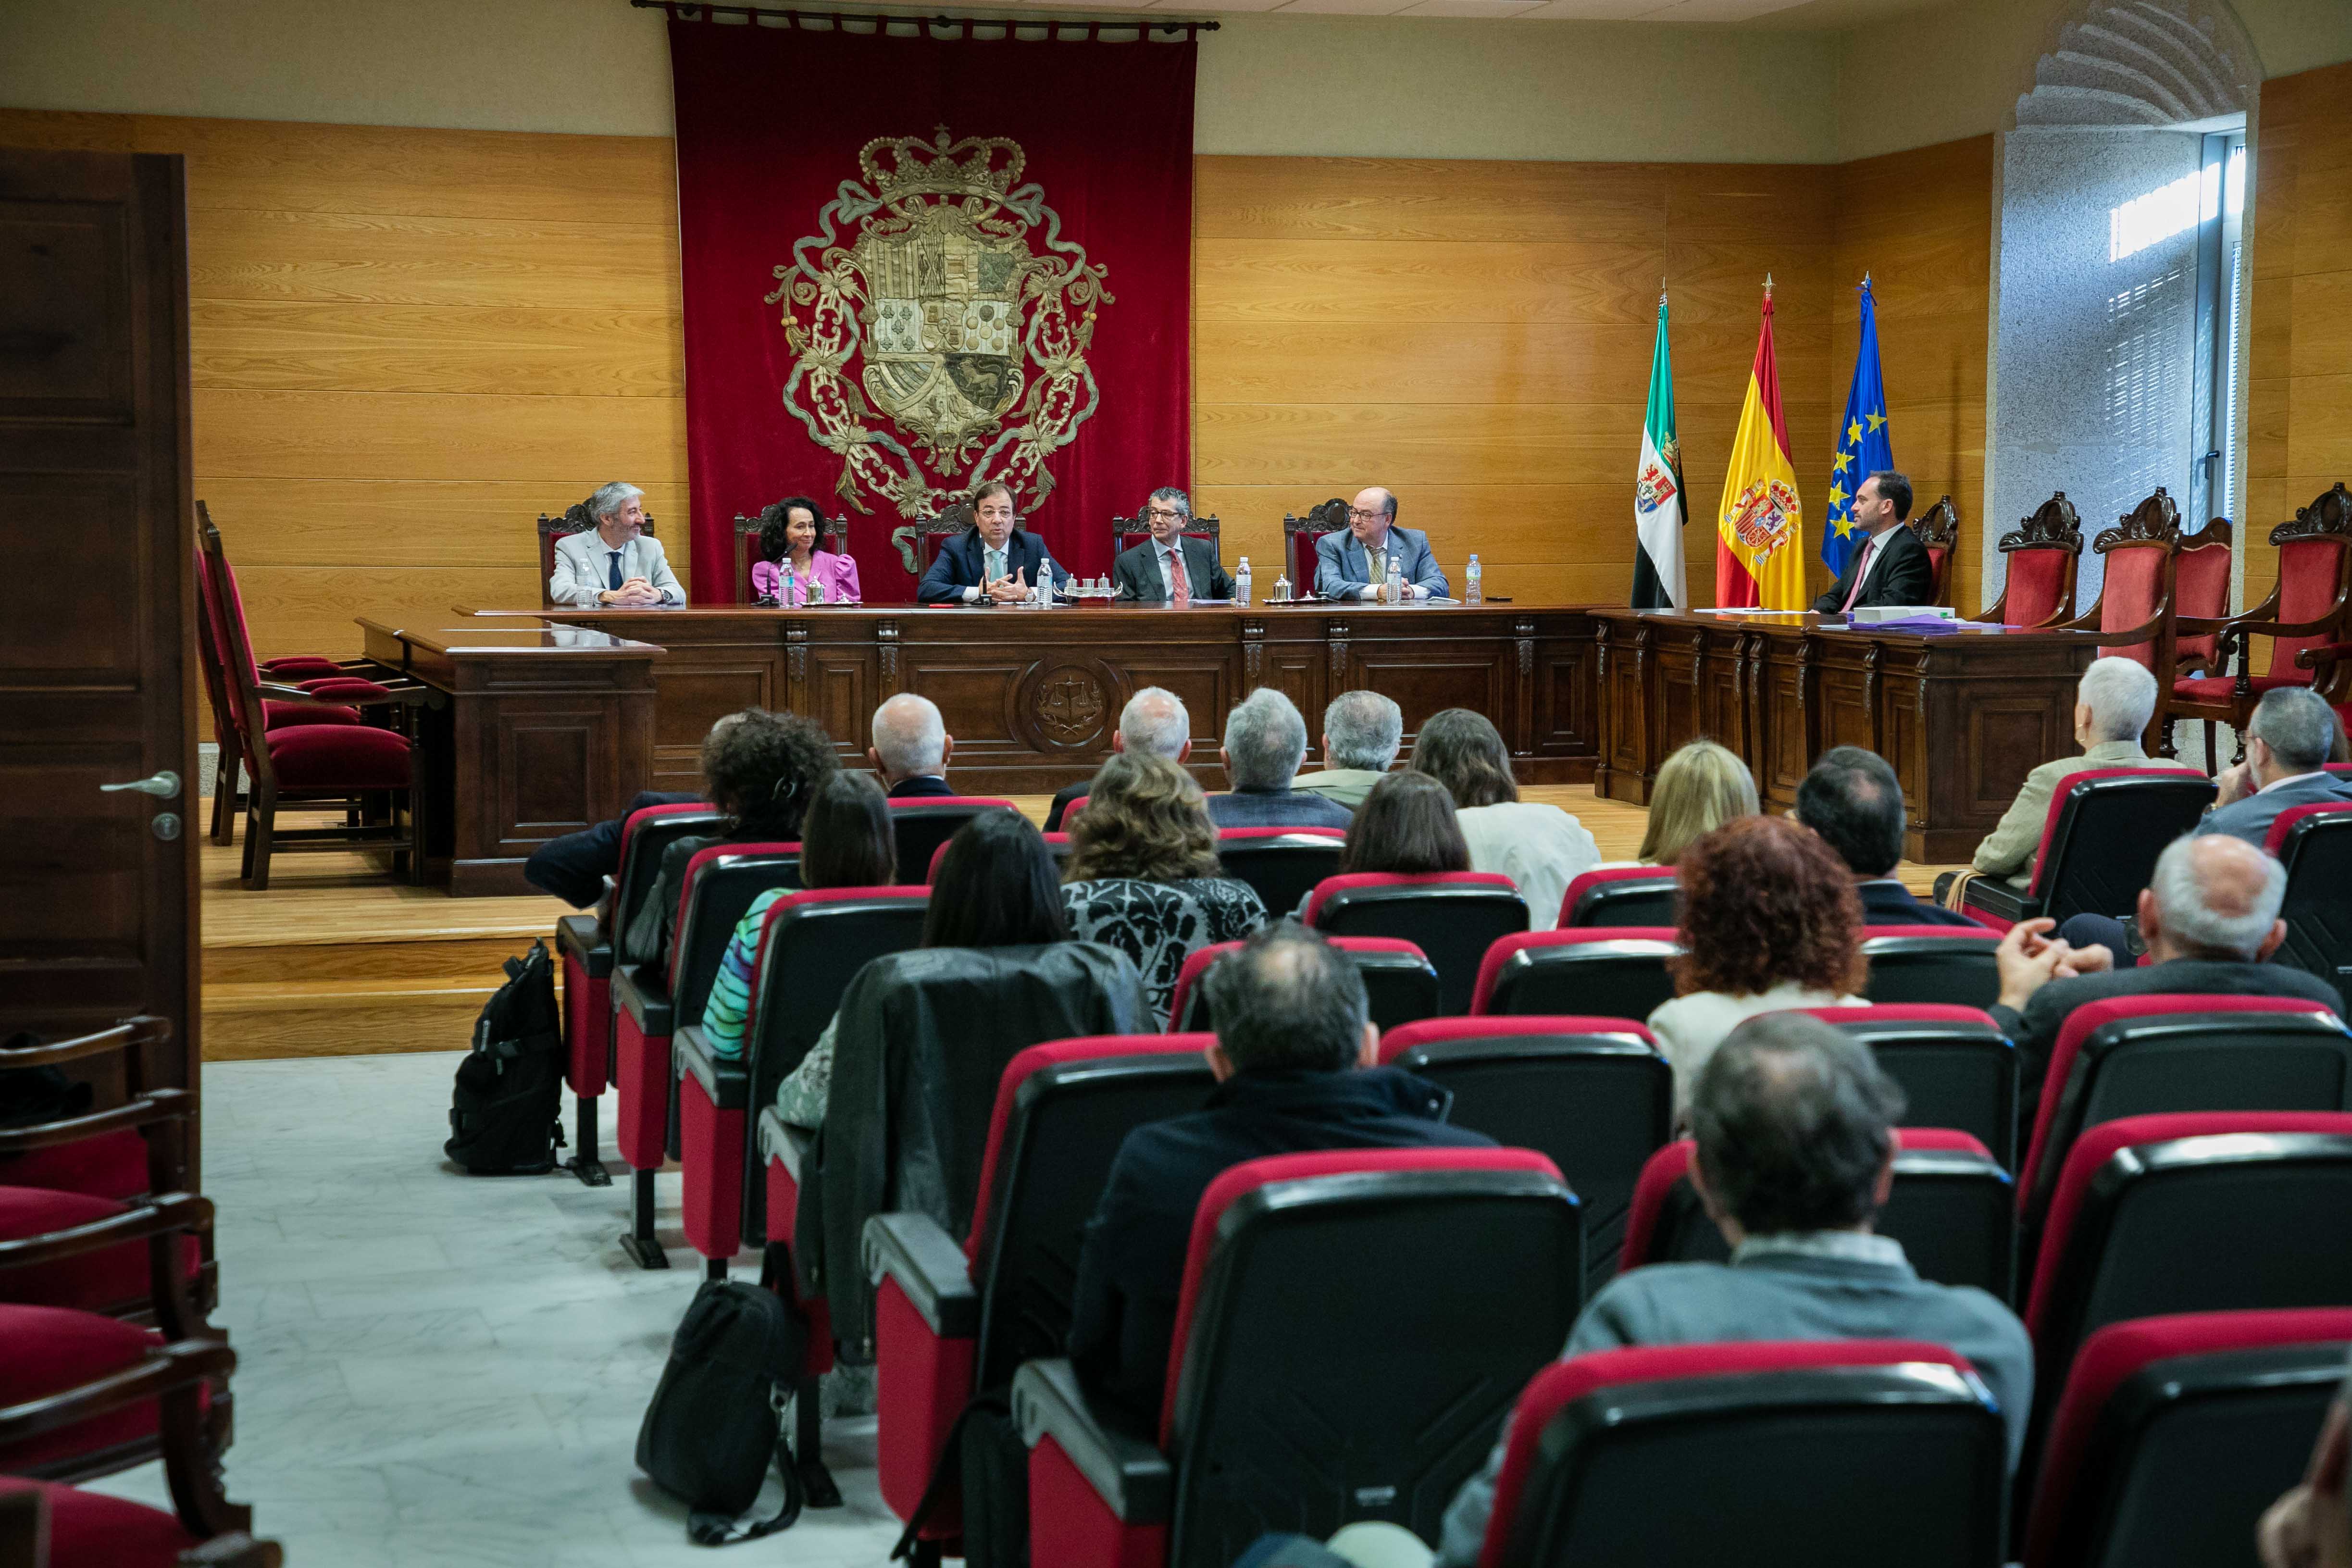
[792,542]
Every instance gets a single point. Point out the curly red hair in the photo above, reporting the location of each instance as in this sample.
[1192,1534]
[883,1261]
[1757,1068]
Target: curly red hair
[1766,901]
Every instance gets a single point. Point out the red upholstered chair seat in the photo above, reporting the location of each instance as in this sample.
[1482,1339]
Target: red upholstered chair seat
[91,1530]
[2309,572]
[52,1349]
[347,689]
[297,666]
[2201,589]
[2220,687]
[2037,585]
[291,715]
[336,756]
[109,1165]
[92,1281]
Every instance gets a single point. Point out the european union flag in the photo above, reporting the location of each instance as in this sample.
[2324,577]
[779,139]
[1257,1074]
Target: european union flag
[1863,447]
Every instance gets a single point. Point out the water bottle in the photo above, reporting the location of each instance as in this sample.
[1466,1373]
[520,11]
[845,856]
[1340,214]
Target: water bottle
[792,597]
[1241,583]
[1395,594]
[1041,593]
[1473,592]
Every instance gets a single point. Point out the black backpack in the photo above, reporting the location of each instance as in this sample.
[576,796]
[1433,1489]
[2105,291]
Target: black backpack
[506,1117]
[715,1425]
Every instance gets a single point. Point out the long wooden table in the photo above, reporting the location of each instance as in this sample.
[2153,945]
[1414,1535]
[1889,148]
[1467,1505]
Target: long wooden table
[557,717]
[1963,715]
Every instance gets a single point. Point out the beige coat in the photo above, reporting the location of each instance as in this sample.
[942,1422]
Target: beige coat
[2010,849]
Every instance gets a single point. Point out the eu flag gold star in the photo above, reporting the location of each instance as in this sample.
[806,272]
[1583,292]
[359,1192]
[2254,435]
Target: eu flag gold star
[1843,460]
[1837,493]
[1875,421]
[1844,525]
[1854,431]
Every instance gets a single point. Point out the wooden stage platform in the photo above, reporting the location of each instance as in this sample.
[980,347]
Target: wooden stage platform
[335,959]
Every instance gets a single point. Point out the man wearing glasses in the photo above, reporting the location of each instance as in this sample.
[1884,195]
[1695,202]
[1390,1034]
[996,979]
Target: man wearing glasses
[1354,564]
[1169,568]
[992,562]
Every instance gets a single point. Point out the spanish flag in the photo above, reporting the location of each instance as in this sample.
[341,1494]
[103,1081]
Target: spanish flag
[1759,546]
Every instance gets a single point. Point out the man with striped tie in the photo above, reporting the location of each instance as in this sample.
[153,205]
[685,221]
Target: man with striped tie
[1168,567]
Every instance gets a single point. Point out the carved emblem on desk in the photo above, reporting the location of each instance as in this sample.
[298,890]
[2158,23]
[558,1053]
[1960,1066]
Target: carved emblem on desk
[1065,704]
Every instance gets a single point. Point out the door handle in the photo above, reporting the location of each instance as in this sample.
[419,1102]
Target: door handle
[164,785]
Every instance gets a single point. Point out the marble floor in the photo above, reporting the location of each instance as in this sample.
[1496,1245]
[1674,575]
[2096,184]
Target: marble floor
[441,1371]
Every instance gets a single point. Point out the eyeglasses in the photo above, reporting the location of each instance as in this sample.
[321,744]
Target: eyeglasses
[1164,514]
[1358,514]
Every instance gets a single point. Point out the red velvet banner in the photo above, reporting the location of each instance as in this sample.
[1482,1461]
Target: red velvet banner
[913,263]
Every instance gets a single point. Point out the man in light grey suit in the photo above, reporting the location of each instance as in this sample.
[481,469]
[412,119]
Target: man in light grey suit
[1353,565]
[2287,745]
[617,564]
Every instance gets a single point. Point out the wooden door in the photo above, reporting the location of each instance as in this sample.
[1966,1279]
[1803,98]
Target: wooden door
[98,890]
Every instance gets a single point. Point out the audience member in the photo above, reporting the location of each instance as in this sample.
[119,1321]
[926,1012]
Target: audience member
[1406,826]
[2288,744]
[2113,704]
[2211,918]
[758,771]
[911,747]
[1541,849]
[1770,921]
[1698,789]
[1852,799]
[995,889]
[1362,733]
[1152,724]
[1294,1061]
[1266,739]
[2310,1526]
[1143,875]
[574,865]
[1794,1125]
[845,842]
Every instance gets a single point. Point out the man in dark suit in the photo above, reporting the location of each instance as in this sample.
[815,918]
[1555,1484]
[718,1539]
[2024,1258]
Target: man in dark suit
[1153,723]
[1852,800]
[1888,566]
[2211,917]
[911,747]
[573,868]
[1295,1064]
[1168,565]
[992,562]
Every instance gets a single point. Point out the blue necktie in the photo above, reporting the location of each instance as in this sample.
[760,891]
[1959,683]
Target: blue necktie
[616,582]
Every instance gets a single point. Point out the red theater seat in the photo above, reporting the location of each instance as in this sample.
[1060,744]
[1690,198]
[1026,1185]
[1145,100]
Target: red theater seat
[1931,963]
[1400,983]
[1617,972]
[1452,916]
[1296,1264]
[1957,1069]
[2315,844]
[1282,864]
[2099,843]
[951,1322]
[2173,1435]
[923,823]
[1622,895]
[1834,1454]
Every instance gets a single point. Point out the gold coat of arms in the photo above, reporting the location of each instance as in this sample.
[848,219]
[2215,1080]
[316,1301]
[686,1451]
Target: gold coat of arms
[940,323]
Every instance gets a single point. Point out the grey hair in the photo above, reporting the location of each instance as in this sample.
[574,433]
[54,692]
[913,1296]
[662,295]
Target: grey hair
[1155,724]
[2187,909]
[2297,725]
[910,736]
[611,497]
[2121,696]
[1170,492]
[1364,729]
[1266,739]
[1793,1120]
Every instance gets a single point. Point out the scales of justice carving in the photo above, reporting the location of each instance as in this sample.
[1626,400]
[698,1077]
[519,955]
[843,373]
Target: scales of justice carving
[940,323]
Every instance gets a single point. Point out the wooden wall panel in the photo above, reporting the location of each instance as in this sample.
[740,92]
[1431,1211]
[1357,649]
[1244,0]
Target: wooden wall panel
[408,343]
[1920,223]
[2299,371]
[1477,336]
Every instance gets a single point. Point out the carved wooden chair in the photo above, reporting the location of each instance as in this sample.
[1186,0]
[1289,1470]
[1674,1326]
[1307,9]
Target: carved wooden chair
[747,543]
[2306,610]
[2043,551]
[2200,605]
[1939,528]
[1133,531]
[574,519]
[929,534]
[2134,615]
[1298,537]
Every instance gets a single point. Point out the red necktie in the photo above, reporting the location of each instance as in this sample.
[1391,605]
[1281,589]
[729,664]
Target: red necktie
[1860,572]
[1183,584]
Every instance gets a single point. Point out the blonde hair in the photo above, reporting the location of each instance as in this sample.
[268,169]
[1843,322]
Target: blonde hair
[1699,788]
